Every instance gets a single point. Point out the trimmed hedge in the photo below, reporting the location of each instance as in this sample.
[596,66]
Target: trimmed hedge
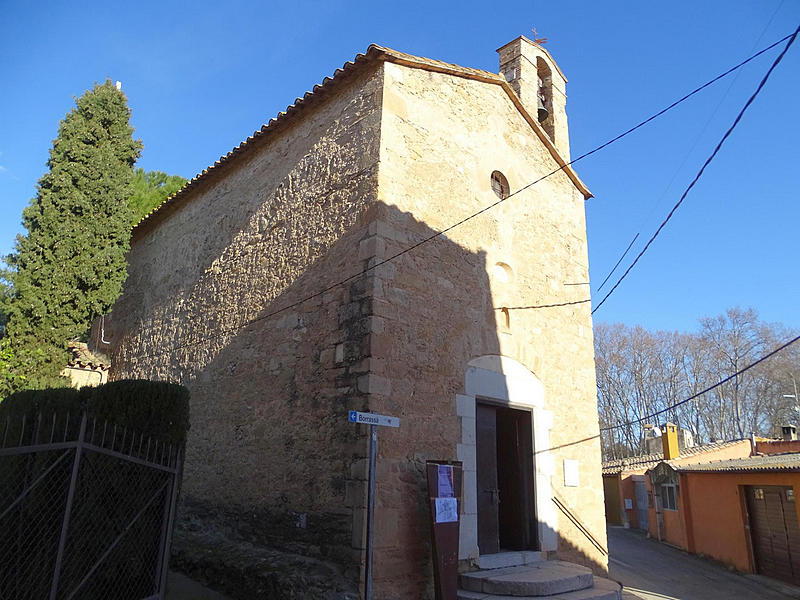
[154,408]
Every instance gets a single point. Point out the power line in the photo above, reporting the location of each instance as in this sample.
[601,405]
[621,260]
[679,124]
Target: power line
[705,391]
[554,305]
[703,168]
[473,215]
[624,254]
[689,152]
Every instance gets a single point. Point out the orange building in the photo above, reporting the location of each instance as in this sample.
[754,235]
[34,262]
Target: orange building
[777,446]
[741,512]
[624,484]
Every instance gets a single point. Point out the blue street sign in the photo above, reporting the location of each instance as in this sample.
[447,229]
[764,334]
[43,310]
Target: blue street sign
[373,419]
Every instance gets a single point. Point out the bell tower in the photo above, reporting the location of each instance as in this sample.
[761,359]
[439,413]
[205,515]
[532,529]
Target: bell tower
[540,85]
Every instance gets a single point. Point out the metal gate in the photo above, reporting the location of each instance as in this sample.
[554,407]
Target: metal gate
[86,509]
[774,531]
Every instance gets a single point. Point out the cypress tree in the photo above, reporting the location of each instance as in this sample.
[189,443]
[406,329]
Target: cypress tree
[70,266]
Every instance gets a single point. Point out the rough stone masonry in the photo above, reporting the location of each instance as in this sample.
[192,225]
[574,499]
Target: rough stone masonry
[233,292]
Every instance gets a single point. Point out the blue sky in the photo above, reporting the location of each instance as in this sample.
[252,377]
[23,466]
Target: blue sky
[199,81]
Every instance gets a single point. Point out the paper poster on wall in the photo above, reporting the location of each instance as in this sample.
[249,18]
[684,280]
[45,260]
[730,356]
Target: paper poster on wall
[628,504]
[446,482]
[446,510]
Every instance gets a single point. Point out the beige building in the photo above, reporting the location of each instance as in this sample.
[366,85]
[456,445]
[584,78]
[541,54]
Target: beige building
[250,286]
[85,368]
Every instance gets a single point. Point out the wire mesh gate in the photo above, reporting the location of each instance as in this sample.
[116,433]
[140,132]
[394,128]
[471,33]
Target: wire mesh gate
[86,509]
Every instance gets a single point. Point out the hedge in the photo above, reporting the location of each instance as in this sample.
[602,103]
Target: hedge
[155,408]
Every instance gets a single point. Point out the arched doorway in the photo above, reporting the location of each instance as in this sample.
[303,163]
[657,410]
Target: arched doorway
[505,439]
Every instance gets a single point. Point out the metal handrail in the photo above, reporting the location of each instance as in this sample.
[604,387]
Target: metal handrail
[581,527]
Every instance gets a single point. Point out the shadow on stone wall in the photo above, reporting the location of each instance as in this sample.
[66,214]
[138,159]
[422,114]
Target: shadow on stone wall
[275,480]
[272,463]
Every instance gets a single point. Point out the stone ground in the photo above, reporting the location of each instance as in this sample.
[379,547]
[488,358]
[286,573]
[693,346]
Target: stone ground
[650,570]
[222,559]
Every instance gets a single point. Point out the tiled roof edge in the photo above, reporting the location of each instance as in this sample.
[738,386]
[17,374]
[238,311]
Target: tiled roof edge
[788,461]
[487,77]
[615,466]
[374,53]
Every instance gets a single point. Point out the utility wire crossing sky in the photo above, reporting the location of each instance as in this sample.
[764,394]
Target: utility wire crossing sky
[790,38]
[198,86]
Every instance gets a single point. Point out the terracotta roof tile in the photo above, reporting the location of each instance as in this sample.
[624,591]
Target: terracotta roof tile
[82,357]
[646,461]
[374,53]
[771,462]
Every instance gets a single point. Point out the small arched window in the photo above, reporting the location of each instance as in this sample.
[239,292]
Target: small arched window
[500,185]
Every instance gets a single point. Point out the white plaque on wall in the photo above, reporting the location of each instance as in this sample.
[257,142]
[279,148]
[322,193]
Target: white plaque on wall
[571,478]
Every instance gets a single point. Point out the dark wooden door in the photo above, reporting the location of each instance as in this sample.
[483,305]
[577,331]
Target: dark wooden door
[488,492]
[774,532]
[514,475]
[506,513]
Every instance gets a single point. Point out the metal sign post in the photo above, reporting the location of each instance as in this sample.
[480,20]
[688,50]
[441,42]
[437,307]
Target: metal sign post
[373,451]
[374,421]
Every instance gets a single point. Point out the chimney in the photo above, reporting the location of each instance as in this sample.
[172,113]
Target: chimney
[540,86]
[669,441]
[652,442]
[789,433]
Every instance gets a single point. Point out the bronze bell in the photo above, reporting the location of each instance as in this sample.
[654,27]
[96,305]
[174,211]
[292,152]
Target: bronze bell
[542,112]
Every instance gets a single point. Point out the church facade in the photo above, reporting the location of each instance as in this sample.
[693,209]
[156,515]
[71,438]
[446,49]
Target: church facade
[316,269]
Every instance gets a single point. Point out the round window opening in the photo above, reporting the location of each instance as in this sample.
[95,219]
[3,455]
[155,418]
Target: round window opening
[500,185]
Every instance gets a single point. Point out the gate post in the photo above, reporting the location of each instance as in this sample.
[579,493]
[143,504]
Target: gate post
[68,510]
[166,527]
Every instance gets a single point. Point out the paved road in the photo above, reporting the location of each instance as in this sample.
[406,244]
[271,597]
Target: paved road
[655,571]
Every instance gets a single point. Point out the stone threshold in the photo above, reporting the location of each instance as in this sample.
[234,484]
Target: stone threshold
[502,560]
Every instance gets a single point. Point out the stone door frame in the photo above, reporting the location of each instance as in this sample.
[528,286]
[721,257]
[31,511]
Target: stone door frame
[505,381]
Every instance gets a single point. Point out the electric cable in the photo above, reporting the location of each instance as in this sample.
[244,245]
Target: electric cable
[654,204]
[736,121]
[705,391]
[614,268]
[476,214]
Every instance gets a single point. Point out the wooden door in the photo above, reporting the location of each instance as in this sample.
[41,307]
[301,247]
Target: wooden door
[488,492]
[506,507]
[774,532]
[515,475]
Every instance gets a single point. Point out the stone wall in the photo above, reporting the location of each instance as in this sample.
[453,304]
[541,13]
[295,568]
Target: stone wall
[388,160]
[441,138]
[202,306]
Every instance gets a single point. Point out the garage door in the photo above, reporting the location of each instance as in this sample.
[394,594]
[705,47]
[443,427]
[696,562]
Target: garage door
[774,532]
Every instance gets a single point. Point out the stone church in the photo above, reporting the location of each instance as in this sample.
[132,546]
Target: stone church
[301,276]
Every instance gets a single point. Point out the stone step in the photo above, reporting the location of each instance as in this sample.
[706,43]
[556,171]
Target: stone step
[603,589]
[544,578]
[508,559]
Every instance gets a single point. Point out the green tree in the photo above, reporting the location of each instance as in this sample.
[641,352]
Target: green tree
[151,188]
[70,265]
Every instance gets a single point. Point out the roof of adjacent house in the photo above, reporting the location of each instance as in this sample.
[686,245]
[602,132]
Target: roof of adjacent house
[83,358]
[772,462]
[647,461]
[373,54]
